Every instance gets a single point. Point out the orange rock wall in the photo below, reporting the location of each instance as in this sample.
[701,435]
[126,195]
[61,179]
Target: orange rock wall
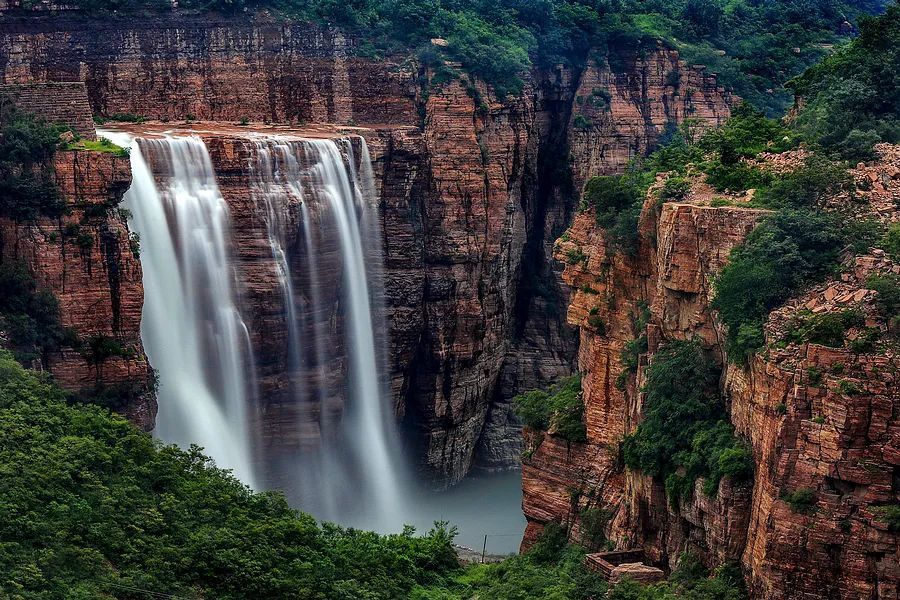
[209,68]
[98,285]
[820,419]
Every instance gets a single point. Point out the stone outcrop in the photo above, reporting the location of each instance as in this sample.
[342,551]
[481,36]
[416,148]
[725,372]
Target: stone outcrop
[820,420]
[88,260]
[208,68]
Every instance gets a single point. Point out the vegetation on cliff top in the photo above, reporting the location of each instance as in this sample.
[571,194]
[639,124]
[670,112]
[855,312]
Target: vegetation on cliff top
[559,410]
[754,46]
[852,98]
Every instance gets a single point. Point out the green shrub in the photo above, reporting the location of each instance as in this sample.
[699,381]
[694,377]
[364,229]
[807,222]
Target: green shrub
[592,524]
[848,388]
[887,299]
[891,241]
[575,256]
[28,315]
[785,252]
[826,329]
[808,186]
[801,501]
[582,122]
[595,321]
[814,376]
[737,177]
[675,188]
[610,195]
[561,410]
[684,424]
[850,97]
[890,514]
[27,181]
[747,134]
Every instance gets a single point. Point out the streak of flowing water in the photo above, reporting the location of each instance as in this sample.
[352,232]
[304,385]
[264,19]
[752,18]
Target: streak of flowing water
[192,329]
[356,476]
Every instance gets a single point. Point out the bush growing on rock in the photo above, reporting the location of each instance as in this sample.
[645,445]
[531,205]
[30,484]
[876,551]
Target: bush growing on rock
[685,434]
[27,185]
[28,315]
[785,252]
[559,410]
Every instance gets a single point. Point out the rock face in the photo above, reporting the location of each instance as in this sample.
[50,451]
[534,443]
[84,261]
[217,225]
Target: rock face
[665,287]
[822,420]
[624,105]
[474,190]
[211,69]
[87,259]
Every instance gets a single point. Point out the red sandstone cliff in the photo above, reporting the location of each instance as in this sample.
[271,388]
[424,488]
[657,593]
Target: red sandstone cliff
[835,434]
[473,189]
[86,259]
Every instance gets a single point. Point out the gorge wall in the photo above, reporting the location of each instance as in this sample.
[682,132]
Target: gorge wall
[88,260]
[474,189]
[819,419]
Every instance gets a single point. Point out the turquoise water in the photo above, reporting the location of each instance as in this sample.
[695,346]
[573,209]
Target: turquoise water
[478,505]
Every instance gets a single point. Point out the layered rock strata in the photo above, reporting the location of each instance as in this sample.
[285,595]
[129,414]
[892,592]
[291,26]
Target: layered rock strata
[474,189]
[89,261]
[820,420]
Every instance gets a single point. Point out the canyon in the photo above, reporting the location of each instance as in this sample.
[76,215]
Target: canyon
[470,195]
[494,281]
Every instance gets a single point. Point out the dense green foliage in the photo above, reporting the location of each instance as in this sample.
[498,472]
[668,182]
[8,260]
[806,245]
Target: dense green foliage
[785,252]
[29,316]
[685,426]
[27,185]
[92,507]
[617,202]
[852,98]
[801,501]
[552,570]
[827,329]
[754,46]
[560,410]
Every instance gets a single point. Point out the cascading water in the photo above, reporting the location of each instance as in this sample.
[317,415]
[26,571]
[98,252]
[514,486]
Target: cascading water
[355,475]
[192,329]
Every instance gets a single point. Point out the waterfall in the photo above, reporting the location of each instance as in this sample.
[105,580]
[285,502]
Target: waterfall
[355,477]
[191,328]
[316,201]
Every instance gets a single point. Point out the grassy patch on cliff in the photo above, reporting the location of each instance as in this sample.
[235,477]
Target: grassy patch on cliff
[559,410]
[99,145]
[685,433]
